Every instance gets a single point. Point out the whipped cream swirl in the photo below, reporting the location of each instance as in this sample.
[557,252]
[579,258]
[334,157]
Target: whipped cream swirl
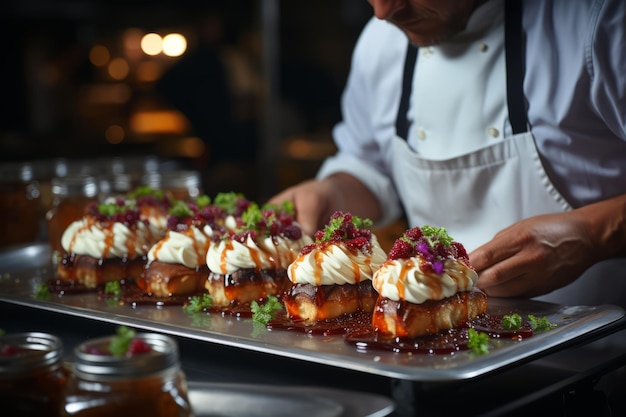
[88,237]
[404,279]
[275,252]
[335,263]
[186,248]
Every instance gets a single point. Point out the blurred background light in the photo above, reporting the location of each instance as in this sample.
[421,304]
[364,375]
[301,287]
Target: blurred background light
[118,68]
[114,134]
[152,44]
[99,55]
[174,44]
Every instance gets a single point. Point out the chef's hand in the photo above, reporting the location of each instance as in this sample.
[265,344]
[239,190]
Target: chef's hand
[316,200]
[543,253]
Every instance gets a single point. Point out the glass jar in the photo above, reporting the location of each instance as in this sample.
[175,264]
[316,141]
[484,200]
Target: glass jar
[145,384]
[112,186]
[19,204]
[176,184]
[70,197]
[32,375]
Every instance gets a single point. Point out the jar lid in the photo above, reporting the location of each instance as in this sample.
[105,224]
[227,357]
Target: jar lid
[17,172]
[24,352]
[115,184]
[75,185]
[90,365]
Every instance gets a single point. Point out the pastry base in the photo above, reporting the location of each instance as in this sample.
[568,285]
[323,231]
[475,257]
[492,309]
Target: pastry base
[93,273]
[404,319]
[163,279]
[245,286]
[312,303]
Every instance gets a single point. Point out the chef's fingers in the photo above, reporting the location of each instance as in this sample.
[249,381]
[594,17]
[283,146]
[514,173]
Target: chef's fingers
[492,252]
[503,278]
[308,201]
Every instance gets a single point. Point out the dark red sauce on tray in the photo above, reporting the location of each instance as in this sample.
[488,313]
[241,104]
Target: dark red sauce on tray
[356,328]
[445,342]
[359,333]
[359,320]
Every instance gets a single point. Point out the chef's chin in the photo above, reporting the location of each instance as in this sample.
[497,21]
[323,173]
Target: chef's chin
[428,39]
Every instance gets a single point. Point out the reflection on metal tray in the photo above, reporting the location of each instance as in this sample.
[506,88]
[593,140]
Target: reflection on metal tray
[212,399]
[23,269]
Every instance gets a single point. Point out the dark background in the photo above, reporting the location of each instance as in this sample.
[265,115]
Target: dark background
[250,104]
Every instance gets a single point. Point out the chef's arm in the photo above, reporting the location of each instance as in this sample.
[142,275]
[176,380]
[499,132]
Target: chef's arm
[316,200]
[607,222]
[543,253]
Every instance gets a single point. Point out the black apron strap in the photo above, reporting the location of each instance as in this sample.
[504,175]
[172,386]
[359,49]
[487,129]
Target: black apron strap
[402,121]
[514,50]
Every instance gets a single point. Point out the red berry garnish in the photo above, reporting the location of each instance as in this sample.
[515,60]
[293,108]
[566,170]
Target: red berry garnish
[138,346]
[401,249]
[10,350]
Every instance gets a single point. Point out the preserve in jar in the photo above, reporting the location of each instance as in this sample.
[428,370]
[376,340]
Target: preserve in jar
[32,375]
[19,204]
[70,197]
[144,379]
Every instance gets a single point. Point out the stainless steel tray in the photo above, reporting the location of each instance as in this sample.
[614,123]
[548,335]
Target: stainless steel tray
[23,268]
[214,399]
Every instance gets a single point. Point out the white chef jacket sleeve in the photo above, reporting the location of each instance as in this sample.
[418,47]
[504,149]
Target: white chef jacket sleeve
[362,144]
[606,60]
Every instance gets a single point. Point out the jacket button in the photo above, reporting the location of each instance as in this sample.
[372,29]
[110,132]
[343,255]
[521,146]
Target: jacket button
[493,132]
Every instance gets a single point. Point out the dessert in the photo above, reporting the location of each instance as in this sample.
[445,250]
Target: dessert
[332,276]
[250,263]
[153,206]
[425,286]
[109,243]
[177,263]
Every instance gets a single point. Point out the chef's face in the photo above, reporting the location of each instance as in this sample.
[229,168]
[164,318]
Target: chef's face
[426,22]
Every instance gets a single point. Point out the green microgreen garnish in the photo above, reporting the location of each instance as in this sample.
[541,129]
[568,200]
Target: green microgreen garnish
[121,341]
[252,217]
[180,209]
[511,321]
[113,288]
[227,201]
[478,342]
[263,313]
[42,292]
[286,206]
[336,224]
[144,191]
[540,323]
[111,209]
[1,332]
[436,235]
[203,201]
[198,303]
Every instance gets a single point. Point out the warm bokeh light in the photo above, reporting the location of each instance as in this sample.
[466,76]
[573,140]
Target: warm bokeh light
[191,147]
[114,134]
[118,68]
[148,71]
[174,44]
[99,55]
[309,149]
[107,93]
[158,122]
[132,43]
[299,148]
[186,147]
[152,44]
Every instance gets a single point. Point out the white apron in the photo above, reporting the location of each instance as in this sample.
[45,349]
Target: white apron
[478,194]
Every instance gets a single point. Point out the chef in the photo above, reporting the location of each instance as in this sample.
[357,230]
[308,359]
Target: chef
[502,121]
